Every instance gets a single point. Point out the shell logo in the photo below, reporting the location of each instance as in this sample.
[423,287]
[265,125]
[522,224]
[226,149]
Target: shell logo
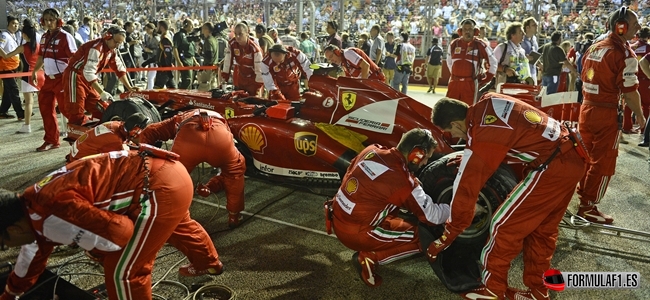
[352,185]
[533,116]
[590,74]
[254,138]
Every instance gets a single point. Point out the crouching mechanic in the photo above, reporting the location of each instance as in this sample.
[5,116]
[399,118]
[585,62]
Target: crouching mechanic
[501,129]
[354,62]
[121,207]
[281,70]
[377,184]
[81,90]
[204,136]
[107,137]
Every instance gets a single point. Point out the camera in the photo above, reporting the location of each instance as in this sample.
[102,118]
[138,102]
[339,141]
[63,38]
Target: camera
[219,28]
[195,35]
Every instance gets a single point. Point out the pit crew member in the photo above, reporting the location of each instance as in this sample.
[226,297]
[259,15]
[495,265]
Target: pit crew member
[246,56]
[502,129]
[98,204]
[56,48]
[616,65]
[203,136]
[467,56]
[81,88]
[354,62]
[364,211]
[281,70]
[107,137]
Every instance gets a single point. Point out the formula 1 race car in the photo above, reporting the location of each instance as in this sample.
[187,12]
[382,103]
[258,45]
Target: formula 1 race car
[312,141]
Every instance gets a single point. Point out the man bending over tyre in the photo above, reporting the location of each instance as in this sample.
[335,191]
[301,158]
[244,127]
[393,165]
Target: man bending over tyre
[364,212]
[203,136]
[501,129]
[107,137]
[121,207]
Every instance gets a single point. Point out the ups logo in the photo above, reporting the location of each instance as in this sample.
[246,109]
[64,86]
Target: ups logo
[306,143]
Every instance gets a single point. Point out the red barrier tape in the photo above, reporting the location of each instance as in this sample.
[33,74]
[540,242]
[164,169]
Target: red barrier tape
[22,74]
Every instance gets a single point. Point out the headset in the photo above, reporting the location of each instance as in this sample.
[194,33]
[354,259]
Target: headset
[57,15]
[621,24]
[135,124]
[468,20]
[419,151]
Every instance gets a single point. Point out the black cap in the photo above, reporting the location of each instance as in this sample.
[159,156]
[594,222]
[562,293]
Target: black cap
[260,28]
[278,48]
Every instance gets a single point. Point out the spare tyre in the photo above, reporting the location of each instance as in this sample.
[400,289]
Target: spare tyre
[122,109]
[458,266]
[438,182]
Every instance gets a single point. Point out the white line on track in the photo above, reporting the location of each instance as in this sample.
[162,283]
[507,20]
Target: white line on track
[269,219]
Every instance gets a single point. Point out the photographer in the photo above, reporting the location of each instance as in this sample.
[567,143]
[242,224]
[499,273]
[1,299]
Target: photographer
[513,65]
[406,53]
[128,49]
[184,51]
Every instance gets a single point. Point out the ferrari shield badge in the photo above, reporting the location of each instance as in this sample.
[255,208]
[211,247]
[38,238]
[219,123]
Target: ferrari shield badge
[229,112]
[348,99]
[489,119]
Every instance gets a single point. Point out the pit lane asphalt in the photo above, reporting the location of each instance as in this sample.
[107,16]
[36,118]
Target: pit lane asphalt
[284,253]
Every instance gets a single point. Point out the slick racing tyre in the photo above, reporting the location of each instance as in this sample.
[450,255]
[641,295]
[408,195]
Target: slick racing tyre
[438,182]
[122,109]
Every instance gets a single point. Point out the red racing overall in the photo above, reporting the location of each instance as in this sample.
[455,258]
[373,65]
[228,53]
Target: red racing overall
[502,129]
[212,144]
[366,206]
[97,204]
[351,61]
[78,78]
[641,49]
[465,61]
[616,66]
[284,78]
[106,137]
[247,60]
[56,48]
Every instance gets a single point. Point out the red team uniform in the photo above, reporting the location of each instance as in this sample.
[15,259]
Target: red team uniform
[106,137]
[210,141]
[246,60]
[56,48]
[641,49]
[350,63]
[99,205]
[502,129]
[285,77]
[465,61]
[614,62]
[82,71]
[365,208]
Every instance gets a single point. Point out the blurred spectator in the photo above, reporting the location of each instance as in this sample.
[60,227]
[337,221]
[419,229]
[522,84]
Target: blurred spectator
[289,40]
[377,49]
[389,64]
[530,45]
[434,65]
[553,59]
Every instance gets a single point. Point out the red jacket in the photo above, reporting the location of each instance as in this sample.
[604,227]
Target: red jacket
[351,62]
[616,65]
[377,184]
[167,129]
[86,203]
[641,48]
[465,59]
[106,137]
[286,73]
[57,47]
[93,57]
[248,59]
[501,129]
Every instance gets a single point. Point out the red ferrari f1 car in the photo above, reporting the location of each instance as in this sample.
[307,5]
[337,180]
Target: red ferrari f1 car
[312,141]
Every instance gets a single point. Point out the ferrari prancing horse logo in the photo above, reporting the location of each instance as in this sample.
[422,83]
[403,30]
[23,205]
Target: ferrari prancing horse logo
[348,99]
[229,112]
